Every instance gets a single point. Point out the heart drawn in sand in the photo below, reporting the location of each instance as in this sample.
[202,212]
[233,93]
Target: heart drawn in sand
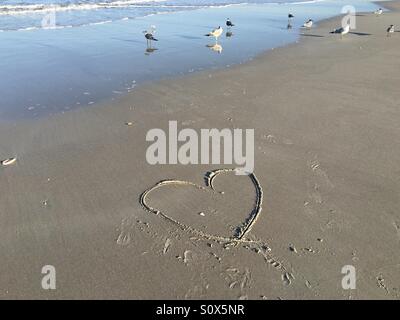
[240,231]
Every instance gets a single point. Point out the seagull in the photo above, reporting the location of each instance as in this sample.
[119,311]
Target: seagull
[229,23]
[308,24]
[149,35]
[216,33]
[342,31]
[378,12]
[290,18]
[390,30]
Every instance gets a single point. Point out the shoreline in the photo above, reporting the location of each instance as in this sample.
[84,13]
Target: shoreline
[302,38]
[123,67]
[326,125]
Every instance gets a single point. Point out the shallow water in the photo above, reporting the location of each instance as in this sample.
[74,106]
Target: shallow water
[45,71]
[28,14]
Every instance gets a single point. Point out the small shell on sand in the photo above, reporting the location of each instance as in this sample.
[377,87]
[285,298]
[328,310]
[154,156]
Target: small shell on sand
[8,161]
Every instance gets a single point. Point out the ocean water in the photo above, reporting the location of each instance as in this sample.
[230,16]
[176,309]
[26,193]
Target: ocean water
[94,50]
[28,14]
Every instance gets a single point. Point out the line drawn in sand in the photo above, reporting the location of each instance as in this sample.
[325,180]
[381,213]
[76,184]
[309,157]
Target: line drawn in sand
[241,232]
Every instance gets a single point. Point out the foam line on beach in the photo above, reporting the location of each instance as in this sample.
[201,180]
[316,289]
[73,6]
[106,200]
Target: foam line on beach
[18,9]
[46,8]
[23,9]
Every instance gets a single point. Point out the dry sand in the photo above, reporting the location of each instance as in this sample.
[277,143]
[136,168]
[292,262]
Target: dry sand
[326,116]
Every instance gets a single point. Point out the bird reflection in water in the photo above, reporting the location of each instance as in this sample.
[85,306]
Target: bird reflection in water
[149,51]
[215,47]
[229,34]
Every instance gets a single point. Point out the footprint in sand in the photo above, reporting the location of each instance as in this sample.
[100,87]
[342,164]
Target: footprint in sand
[127,228]
[312,204]
[198,291]
[124,238]
[287,278]
[381,283]
[315,195]
[265,251]
[269,138]
[237,279]
[396,225]
[167,244]
[309,249]
[274,140]
[188,257]
[308,209]
[320,181]
[317,170]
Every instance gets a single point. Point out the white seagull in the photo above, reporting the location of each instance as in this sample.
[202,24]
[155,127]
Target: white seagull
[216,33]
[308,24]
[342,31]
[378,12]
[390,30]
[149,34]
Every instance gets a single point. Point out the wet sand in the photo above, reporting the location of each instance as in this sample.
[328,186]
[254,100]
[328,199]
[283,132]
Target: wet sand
[326,118]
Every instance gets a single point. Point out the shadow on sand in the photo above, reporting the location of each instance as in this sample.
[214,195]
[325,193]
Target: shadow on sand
[360,33]
[311,35]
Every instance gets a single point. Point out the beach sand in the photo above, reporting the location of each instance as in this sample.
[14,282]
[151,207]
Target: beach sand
[326,116]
